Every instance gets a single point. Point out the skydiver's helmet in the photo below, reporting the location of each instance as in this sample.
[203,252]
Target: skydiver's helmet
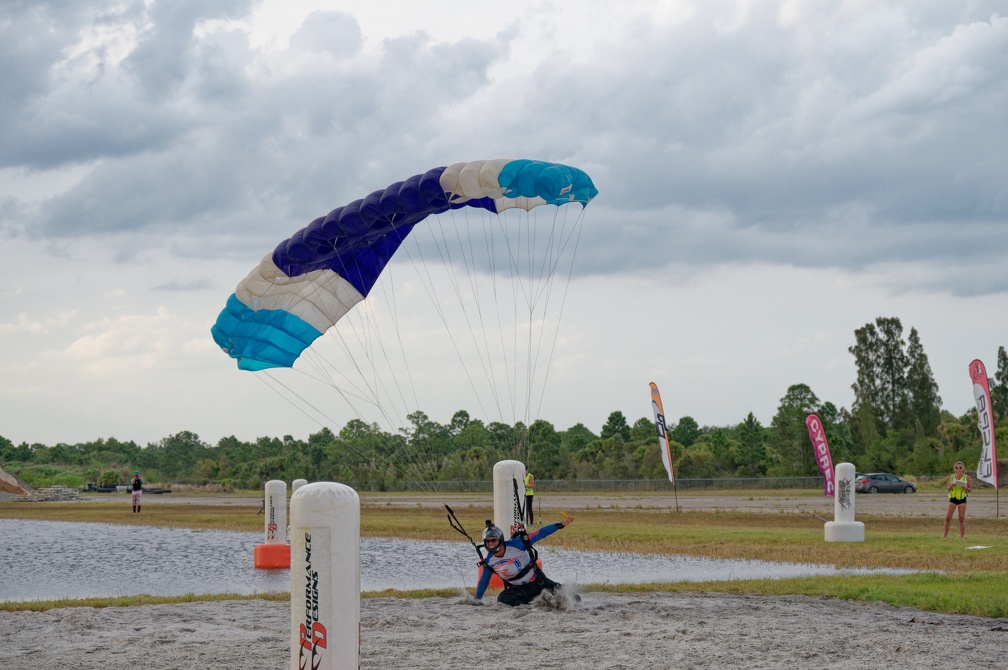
[492,532]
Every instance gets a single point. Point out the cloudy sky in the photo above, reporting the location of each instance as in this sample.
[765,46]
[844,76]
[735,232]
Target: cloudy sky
[772,176]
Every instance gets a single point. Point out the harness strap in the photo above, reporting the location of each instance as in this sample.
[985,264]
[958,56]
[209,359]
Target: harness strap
[521,573]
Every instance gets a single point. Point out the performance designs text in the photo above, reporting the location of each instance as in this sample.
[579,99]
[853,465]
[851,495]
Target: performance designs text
[313,633]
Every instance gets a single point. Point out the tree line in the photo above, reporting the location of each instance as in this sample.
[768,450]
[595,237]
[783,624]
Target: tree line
[896,424]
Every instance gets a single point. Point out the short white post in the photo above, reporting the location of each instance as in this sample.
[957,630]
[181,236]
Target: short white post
[844,528]
[274,552]
[507,475]
[275,512]
[295,485]
[325,577]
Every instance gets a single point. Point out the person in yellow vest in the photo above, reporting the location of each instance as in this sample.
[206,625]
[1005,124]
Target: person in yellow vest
[959,485]
[529,493]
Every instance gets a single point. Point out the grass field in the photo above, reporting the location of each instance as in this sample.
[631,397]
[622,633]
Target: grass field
[951,577]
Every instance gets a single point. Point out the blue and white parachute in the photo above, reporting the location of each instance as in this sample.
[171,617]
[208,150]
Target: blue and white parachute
[311,280]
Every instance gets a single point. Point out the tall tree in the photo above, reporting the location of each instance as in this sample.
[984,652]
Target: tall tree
[177,454]
[577,437]
[837,424]
[7,450]
[999,392]
[925,403]
[866,352]
[459,421]
[882,362]
[721,448]
[544,449]
[893,365]
[643,428]
[751,446]
[790,434]
[686,431]
[616,425]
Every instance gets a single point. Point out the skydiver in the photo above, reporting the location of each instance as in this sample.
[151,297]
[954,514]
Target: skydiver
[514,561]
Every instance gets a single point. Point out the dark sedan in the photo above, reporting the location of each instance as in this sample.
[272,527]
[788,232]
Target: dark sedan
[882,482]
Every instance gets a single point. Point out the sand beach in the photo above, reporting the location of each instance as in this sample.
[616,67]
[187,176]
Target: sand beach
[605,631]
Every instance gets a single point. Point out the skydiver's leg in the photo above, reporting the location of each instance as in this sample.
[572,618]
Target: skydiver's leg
[511,597]
[519,595]
[553,587]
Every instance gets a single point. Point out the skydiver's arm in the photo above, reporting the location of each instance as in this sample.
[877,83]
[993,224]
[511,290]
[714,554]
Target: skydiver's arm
[484,581]
[548,530]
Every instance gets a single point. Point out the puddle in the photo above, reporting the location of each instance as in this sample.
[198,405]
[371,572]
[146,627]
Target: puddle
[44,560]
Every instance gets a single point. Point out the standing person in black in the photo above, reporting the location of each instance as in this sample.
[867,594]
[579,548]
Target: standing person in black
[136,490]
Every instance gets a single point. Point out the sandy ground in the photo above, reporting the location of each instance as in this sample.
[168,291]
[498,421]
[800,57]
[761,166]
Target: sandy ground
[605,631]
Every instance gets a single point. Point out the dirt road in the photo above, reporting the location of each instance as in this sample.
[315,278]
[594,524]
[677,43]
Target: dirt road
[983,503]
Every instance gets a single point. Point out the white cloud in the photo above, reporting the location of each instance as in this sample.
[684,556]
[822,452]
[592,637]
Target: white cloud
[22,323]
[127,343]
[772,176]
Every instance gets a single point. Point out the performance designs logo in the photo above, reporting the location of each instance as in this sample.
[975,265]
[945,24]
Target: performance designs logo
[313,633]
[660,425]
[271,527]
[662,428]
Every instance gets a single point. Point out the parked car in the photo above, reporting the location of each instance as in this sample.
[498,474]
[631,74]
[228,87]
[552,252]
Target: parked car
[882,482]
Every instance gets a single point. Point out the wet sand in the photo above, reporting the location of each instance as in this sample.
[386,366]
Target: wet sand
[605,631]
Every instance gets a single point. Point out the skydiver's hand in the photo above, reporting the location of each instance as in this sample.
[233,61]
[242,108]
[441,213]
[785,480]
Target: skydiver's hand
[567,520]
[472,600]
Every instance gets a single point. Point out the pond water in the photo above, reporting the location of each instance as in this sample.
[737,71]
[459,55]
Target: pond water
[45,560]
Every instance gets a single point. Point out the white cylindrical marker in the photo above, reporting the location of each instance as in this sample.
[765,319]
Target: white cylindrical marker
[275,512]
[325,577]
[844,528]
[507,476]
[274,552]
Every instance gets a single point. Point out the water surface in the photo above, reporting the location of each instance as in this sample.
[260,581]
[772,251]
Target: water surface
[45,560]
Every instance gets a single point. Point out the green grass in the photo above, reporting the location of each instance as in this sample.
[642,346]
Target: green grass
[131,601]
[978,594]
[951,578]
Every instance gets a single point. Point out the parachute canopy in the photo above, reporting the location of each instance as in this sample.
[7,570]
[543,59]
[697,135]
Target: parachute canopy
[312,279]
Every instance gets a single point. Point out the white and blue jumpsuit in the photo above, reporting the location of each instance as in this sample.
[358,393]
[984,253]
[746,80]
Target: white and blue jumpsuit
[520,588]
